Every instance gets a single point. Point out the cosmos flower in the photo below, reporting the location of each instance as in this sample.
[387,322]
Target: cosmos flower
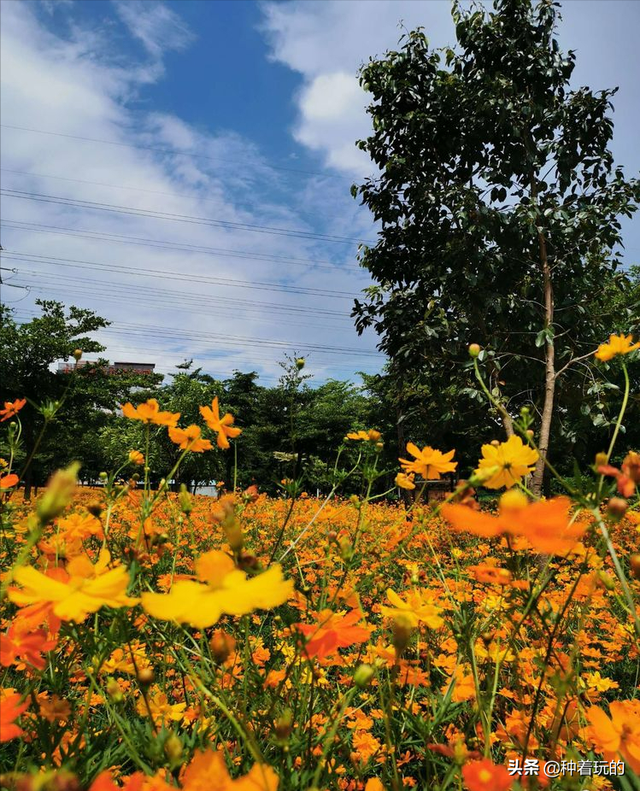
[223,426]
[223,589]
[149,412]
[189,439]
[618,344]
[428,463]
[510,462]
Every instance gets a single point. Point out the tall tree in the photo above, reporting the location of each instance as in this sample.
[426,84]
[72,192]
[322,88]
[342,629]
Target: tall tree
[499,206]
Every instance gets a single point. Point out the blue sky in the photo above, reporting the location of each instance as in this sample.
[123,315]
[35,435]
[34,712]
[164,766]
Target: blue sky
[218,140]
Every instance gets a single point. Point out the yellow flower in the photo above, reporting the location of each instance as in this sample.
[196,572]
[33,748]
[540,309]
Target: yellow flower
[429,463]
[223,590]
[88,588]
[365,436]
[189,439]
[160,709]
[405,481]
[135,457]
[149,412]
[618,344]
[510,461]
[416,610]
[223,426]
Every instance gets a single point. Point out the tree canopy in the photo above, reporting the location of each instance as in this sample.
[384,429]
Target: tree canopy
[499,204]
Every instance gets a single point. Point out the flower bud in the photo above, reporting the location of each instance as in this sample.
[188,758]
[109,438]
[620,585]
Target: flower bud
[363,676]
[512,500]
[474,350]
[77,355]
[346,548]
[184,499]
[114,691]
[222,645]
[94,508]
[145,676]
[173,748]
[604,580]
[402,629]
[103,476]
[617,507]
[634,565]
[283,725]
[601,459]
[135,457]
[300,362]
[631,466]
[58,493]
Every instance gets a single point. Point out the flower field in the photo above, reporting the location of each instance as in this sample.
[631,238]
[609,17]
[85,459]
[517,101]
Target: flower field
[158,640]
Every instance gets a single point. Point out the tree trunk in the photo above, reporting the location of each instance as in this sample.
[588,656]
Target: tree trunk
[550,371]
[507,422]
[28,483]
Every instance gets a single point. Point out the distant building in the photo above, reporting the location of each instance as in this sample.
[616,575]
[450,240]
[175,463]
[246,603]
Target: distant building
[115,368]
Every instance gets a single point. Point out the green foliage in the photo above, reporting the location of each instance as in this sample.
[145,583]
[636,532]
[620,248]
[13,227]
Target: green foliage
[499,205]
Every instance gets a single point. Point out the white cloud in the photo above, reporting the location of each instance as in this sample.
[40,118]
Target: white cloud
[155,25]
[65,86]
[326,41]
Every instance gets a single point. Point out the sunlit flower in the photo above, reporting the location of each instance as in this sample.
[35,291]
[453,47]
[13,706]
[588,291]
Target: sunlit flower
[8,481]
[10,709]
[405,481]
[135,457]
[415,609]
[224,589]
[149,412]
[189,439]
[223,426]
[428,463]
[546,525]
[484,775]
[332,631]
[157,704]
[618,734]
[20,645]
[11,409]
[618,344]
[365,436]
[87,589]
[512,460]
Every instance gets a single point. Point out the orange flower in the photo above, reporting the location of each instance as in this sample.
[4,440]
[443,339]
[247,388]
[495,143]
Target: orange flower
[223,427]
[618,344]
[7,481]
[429,463]
[486,776]
[190,439]
[332,631]
[149,412]
[405,481]
[17,645]
[11,408]
[619,734]
[135,457]
[10,710]
[365,436]
[546,525]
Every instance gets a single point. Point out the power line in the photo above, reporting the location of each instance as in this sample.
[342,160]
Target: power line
[75,203]
[173,152]
[166,244]
[171,274]
[187,297]
[168,303]
[155,332]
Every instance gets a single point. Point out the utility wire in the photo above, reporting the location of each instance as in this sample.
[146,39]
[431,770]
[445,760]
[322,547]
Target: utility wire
[167,244]
[172,151]
[178,297]
[76,203]
[172,274]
